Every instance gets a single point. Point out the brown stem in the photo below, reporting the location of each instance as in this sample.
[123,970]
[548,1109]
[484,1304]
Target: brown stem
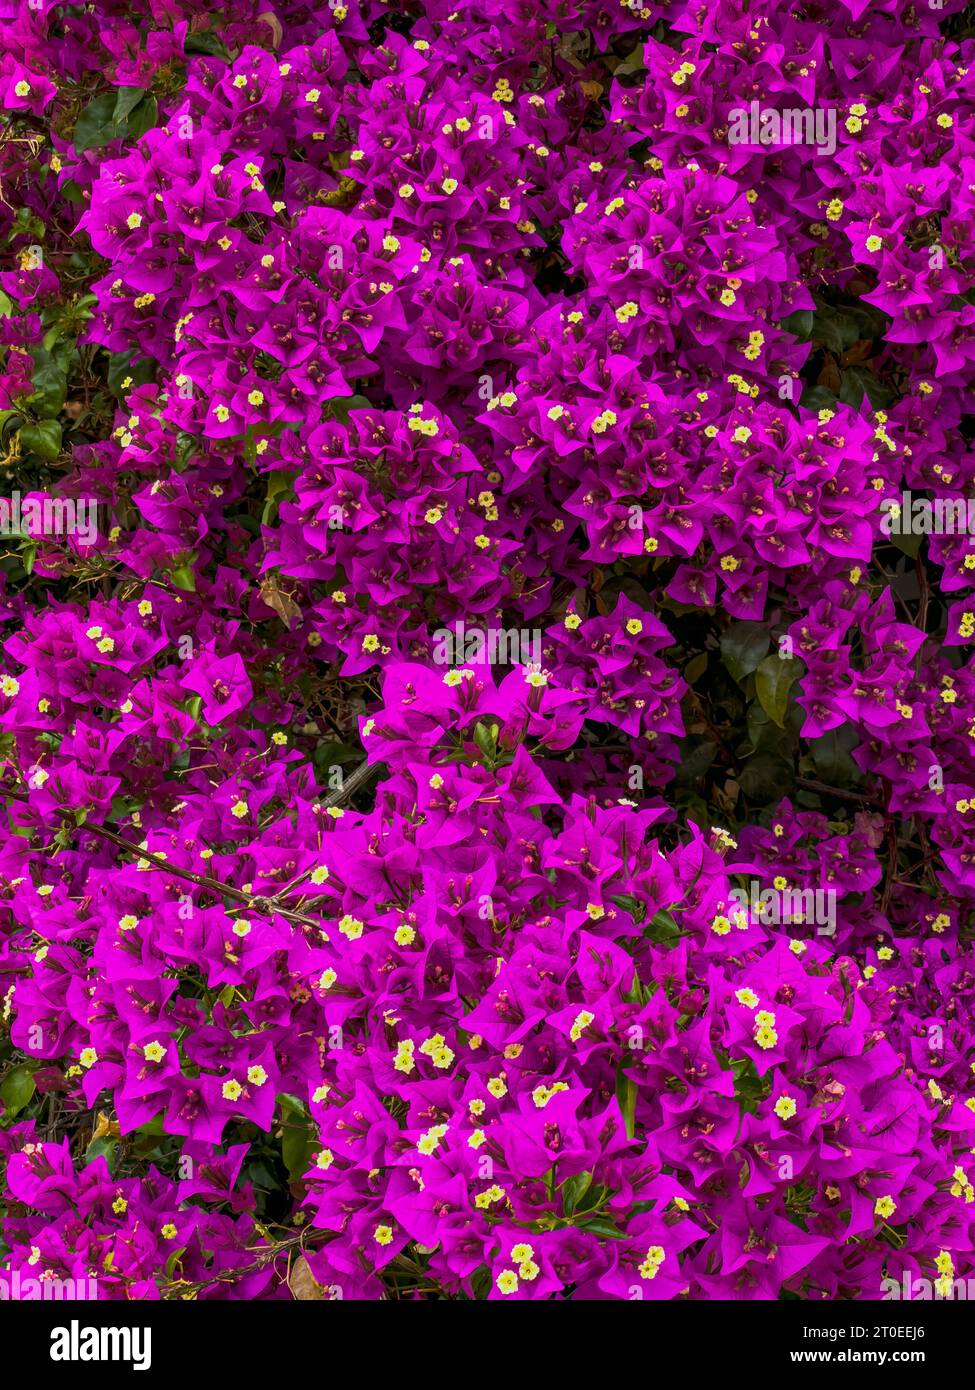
[202,880]
[811,784]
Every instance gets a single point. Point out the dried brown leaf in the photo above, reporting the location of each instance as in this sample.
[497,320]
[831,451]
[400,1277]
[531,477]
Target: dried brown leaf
[303,1284]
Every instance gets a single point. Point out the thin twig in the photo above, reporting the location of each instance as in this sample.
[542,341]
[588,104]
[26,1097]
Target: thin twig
[351,784]
[214,885]
[811,784]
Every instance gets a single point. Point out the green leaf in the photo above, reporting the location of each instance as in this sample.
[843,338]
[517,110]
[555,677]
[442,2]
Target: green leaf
[851,390]
[127,100]
[486,738]
[634,995]
[279,485]
[908,544]
[143,118]
[836,329]
[774,679]
[742,648]
[766,777]
[663,927]
[817,398]
[799,324]
[102,1148]
[96,124]
[764,736]
[186,447]
[50,389]
[573,1191]
[183,577]
[297,1147]
[339,406]
[831,755]
[99,125]
[695,668]
[748,1087]
[633,62]
[879,393]
[871,322]
[332,753]
[292,1105]
[634,906]
[600,1226]
[121,366]
[10,422]
[626,1095]
[17,1090]
[695,759]
[6,306]
[153,1127]
[43,439]
[206,43]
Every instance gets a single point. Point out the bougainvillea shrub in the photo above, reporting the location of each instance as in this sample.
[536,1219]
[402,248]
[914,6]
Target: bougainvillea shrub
[487,709]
